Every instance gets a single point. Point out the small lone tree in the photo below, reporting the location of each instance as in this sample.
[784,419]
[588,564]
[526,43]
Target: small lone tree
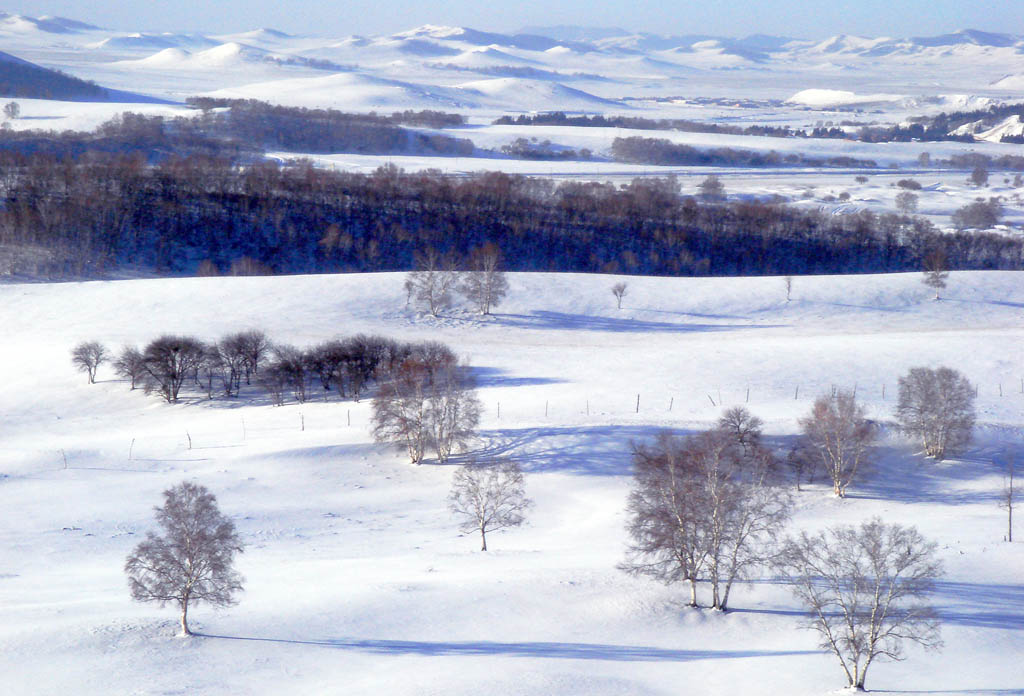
[192,560]
[12,110]
[712,189]
[906,202]
[979,175]
[488,496]
[839,432]
[433,281]
[1009,496]
[935,271]
[131,365]
[87,356]
[619,290]
[938,407]
[864,588]
[788,280]
[484,284]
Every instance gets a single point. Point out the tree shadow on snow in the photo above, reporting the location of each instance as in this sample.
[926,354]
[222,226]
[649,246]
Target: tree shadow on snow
[900,475]
[495,377]
[542,319]
[979,605]
[543,650]
[600,450]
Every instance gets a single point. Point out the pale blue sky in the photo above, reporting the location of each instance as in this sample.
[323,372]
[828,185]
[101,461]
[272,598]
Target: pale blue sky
[804,19]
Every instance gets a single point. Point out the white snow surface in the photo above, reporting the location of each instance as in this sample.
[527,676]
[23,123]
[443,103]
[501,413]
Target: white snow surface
[356,577]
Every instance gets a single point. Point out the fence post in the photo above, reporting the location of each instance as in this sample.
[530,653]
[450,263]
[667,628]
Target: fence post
[130,448]
[671,401]
[638,403]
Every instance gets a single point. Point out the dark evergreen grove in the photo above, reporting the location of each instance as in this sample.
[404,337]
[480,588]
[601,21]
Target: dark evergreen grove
[86,216]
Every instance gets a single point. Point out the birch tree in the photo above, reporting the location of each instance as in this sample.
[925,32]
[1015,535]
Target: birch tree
[488,496]
[484,284]
[839,432]
[865,589]
[937,406]
[192,560]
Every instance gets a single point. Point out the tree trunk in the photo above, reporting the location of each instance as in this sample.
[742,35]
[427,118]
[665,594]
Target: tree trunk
[483,539]
[184,619]
[693,592]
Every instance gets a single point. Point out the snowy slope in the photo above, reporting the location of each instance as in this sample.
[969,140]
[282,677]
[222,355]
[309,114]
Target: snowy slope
[356,574]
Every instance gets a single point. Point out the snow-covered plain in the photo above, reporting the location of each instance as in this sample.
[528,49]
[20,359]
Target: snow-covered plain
[841,81]
[357,579]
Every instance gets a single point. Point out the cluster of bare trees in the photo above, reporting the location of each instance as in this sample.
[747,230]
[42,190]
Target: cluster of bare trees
[437,276]
[935,406]
[427,400]
[347,367]
[708,508]
[705,507]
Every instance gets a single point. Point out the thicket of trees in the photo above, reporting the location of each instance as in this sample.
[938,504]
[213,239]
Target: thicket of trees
[659,151]
[61,218]
[347,367]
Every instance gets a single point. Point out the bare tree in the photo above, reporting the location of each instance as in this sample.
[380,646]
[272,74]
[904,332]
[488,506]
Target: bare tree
[1009,496]
[488,496]
[788,280]
[865,589]
[292,365]
[838,431]
[453,410]
[938,407]
[169,361]
[131,365]
[696,514]
[712,190]
[400,410]
[906,202]
[743,426]
[12,110]
[427,401]
[484,284]
[192,560]
[619,290]
[935,270]
[433,281]
[666,515]
[87,357]
[254,346]
[979,176]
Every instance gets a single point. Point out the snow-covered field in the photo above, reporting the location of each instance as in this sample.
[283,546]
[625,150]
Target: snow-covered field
[357,578]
